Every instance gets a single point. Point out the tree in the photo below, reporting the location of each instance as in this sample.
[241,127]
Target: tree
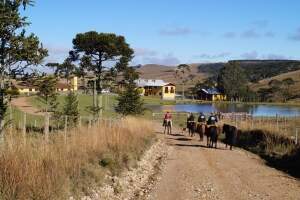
[67,68]
[18,51]
[47,92]
[232,81]
[100,52]
[129,101]
[182,72]
[70,108]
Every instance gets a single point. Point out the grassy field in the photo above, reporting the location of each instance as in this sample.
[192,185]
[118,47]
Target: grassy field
[70,166]
[84,101]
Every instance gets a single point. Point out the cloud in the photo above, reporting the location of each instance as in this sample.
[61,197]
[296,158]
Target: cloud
[56,53]
[295,36]
[138,52]
[250,55]
[271,56]
[168,59]
[213,56]
[251,33]
[269,34]
[261,23]
[275,57]
[229,35]
[177,31]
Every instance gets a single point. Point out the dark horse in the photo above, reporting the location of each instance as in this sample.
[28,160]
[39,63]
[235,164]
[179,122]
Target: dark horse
[201,130]
[192,128]
[212,133]
[230,134]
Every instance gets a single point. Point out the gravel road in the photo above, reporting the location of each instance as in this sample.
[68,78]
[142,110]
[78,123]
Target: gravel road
[192,171]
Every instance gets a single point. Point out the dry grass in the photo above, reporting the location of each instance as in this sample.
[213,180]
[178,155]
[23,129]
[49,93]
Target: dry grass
[32,168]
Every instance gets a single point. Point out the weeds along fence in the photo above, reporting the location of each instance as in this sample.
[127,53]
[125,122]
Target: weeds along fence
[288,126]
[21,122]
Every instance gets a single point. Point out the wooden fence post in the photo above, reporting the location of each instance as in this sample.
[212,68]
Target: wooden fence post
[66,128]
[24,126]
[46,126]
[79,121]
[90,123]
[101,105]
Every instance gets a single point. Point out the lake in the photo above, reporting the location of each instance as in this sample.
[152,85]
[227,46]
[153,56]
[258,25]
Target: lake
[253,109]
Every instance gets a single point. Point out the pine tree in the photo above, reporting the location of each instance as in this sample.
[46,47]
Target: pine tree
[70,108]
[129,101]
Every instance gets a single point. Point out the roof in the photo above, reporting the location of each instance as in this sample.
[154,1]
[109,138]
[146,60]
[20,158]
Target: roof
[150,82]
[22,84]
[212,91]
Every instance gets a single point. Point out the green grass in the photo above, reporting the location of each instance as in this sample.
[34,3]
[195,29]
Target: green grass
[84,101]
[157,101]
[18,118]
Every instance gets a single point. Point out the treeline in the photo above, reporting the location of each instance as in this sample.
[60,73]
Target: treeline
[233,80]
[255,70]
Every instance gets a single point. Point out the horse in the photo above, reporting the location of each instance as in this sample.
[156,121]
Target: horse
[230,134]
[201,130]
[212,134]
[192,128]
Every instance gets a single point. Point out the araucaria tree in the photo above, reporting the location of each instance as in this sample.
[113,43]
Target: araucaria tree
[183,73]
[47,92]
[233,81]
[101,53]
[18,50]
[130,101]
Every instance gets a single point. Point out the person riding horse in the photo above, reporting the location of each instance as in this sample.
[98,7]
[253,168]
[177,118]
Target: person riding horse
[201,125]
[190,124]
[212,131]
[167,123]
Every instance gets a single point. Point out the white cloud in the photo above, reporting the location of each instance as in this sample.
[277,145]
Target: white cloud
[176,31]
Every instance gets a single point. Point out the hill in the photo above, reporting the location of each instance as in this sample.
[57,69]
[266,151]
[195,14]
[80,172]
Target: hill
[295,75]
[167,73]
[256,70]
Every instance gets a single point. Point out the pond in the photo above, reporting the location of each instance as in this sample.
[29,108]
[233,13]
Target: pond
[253,109]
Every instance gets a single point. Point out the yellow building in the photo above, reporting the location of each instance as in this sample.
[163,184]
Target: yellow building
[25,87]
[211,94]
[156,88]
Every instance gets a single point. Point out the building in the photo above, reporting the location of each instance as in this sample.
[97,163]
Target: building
[26,87]
[154,87]
[211,94]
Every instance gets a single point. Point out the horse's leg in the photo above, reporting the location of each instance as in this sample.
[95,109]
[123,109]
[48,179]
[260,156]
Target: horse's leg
[165,129]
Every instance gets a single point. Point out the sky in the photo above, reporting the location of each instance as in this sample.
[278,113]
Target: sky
[171,32]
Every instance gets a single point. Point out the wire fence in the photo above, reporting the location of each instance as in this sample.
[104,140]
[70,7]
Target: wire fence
[48,123]
[288,126]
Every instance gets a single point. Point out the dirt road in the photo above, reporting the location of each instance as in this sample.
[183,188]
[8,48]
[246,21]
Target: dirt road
[23,104]
[193,171]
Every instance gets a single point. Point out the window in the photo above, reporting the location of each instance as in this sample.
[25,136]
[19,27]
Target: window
[166,89]
[172,90]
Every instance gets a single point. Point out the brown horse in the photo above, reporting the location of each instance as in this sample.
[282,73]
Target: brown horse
[201,130]
[212,133]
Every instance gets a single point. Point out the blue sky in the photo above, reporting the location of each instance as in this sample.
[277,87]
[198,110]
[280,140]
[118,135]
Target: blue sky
[175,31]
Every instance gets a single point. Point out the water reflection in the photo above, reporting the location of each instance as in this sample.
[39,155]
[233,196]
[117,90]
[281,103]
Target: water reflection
[254,109]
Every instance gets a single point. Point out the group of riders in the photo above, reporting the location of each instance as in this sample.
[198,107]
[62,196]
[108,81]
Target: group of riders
[204,126]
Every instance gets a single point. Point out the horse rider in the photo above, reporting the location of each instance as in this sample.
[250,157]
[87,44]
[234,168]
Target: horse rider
[191,124]
[201,125]
[212,120]
[168,123]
